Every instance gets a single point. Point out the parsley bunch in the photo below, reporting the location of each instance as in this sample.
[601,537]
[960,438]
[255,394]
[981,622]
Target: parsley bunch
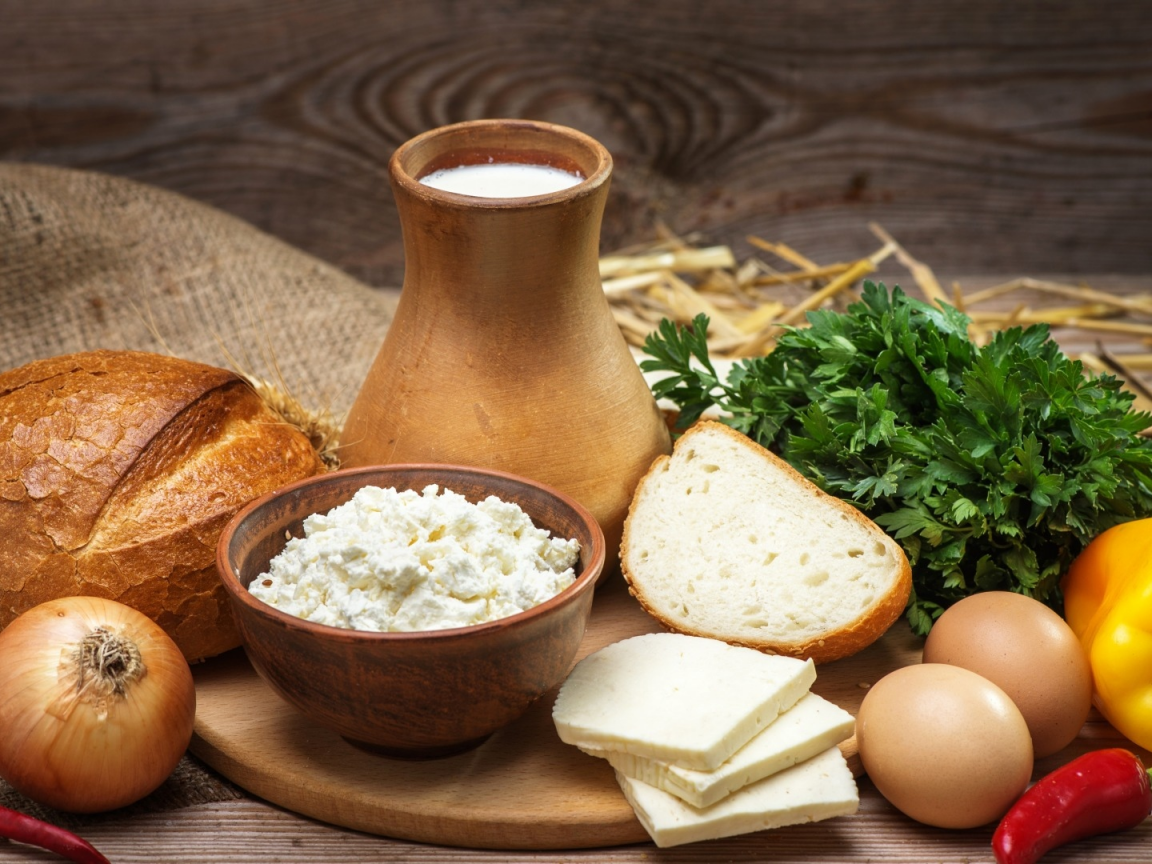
[992,466]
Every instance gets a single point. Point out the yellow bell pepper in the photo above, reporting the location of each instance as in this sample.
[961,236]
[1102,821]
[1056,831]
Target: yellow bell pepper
[1108,605]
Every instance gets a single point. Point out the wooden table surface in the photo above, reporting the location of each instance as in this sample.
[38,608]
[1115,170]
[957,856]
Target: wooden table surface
[250,831]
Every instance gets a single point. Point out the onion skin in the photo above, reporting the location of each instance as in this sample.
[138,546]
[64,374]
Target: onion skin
[76,750]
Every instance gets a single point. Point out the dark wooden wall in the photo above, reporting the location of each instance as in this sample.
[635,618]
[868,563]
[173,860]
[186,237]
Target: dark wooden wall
[986,135]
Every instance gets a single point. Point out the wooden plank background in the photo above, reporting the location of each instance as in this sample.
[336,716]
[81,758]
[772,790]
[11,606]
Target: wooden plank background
[987,136]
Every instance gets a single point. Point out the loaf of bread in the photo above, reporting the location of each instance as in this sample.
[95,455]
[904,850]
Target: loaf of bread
[724,539]
[118,471]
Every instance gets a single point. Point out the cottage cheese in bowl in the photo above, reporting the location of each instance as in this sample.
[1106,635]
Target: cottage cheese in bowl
[389,561]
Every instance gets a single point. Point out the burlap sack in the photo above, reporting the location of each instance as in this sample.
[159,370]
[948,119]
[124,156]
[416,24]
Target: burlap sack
[91,261]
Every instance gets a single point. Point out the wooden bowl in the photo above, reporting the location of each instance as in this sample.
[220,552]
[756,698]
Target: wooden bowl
[420,694]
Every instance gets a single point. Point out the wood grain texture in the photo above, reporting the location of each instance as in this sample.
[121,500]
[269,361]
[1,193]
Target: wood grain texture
[252,831]
[985,136]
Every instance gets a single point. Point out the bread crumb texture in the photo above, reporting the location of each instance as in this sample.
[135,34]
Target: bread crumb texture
[118,471]
[724,539]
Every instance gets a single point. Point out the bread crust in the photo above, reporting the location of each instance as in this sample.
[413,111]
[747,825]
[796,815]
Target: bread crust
[826,647]
[118,470]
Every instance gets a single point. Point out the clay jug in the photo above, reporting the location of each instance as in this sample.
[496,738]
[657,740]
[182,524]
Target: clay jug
[503,352]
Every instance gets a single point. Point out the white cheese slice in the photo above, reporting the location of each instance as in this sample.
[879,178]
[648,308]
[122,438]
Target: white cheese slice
[809,727]
[820,788]
[683,699]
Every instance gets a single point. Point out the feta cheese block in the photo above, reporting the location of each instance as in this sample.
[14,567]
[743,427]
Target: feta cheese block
[806,729]
[685,699]
[820,788]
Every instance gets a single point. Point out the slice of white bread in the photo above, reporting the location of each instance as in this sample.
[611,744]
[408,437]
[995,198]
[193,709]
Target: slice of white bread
[726,540]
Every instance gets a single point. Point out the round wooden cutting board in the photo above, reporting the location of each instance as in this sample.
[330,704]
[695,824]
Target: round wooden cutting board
[521,789]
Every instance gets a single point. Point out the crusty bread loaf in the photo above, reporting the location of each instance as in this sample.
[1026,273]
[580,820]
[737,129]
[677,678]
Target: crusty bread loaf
[118,470]
[724,539]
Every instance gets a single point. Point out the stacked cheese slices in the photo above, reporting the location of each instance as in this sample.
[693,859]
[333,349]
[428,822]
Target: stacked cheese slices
[708,739]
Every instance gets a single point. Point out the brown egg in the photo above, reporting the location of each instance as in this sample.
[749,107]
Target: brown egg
[943,745]
[1028,651]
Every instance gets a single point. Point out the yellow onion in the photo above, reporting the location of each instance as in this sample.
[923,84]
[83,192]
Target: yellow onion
[96,704]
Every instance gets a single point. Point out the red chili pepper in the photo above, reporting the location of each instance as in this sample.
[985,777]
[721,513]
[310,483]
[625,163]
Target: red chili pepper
[1101,791]
[25,829]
